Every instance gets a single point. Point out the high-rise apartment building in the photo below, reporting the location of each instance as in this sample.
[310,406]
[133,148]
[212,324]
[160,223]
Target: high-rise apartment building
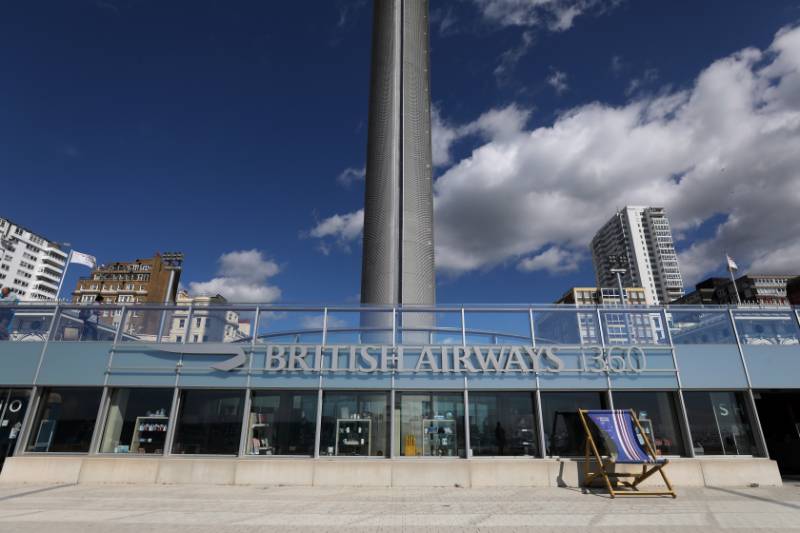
[642,238]
[153,280]
[30,265]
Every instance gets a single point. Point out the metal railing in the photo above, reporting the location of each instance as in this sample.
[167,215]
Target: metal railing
[444,324]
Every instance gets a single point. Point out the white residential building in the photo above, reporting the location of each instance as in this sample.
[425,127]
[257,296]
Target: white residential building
[30,265]
[208,324]
[643,238]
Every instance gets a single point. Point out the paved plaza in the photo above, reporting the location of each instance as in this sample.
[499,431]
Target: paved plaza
[227,509]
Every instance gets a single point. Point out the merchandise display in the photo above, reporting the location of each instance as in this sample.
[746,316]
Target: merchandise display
[149,435]
[440,437]
[353,436]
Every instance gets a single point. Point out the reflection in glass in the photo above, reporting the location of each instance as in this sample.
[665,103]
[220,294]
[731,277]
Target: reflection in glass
[431,424]
[700,327]
[65,420]
[355,423]
[719,423]
[502,423]
[88,323]
[658,415]
[209,422]
[767,328]
[563,433]
[137,421]
[558,327]
[282,423]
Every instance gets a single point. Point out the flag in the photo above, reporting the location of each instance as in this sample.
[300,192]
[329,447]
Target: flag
[731,263]
[83,259]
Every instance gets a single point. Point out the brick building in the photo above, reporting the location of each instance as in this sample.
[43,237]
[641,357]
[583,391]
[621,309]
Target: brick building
[127,282]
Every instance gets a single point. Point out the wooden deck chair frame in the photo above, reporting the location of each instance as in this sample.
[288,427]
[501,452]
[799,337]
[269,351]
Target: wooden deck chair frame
[648,469]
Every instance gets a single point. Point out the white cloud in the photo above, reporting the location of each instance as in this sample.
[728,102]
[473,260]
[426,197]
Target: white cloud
[732,138]
[350,175]
[512,56]
[242,278]
[554,260]
[725,148]
[558,81]
[555,15]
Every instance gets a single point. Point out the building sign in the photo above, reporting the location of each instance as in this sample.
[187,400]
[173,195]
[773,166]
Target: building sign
[470,359]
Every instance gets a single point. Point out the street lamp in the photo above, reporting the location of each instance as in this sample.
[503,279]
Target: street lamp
[619,265]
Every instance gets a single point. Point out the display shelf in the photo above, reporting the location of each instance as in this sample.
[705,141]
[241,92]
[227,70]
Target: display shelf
[149,434]
[353,436]
[439,437]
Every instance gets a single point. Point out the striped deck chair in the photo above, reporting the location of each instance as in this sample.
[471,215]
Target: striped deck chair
[618,431]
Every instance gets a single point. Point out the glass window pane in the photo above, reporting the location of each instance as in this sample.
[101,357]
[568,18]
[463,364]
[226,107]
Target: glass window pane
[88,323]
[137,421]
[779,328]
[431,424]
[209,422]
[719,423]
[355,423]
[633,327]
[24,323]
[658,415]
[282,423]
[562,327]
[498,327]
[502,423]
[65,420]
[700,327]
[563,433]
[13,405]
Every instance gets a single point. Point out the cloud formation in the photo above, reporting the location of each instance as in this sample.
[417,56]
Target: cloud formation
[242,278]
[554,15]
[351,175]
[723,152]
[558,81]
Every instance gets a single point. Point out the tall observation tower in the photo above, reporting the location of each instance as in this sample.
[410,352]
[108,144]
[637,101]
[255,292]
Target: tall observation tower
[397,266]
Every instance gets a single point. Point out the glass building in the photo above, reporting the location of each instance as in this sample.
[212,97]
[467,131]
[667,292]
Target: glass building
[482,383]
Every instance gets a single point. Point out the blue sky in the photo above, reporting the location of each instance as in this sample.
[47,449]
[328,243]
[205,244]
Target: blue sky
[226,131]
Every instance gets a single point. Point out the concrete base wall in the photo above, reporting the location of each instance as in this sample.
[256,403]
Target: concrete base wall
[718,472]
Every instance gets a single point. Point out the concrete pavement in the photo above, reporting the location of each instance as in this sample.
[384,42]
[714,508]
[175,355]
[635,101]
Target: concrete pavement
[228,509]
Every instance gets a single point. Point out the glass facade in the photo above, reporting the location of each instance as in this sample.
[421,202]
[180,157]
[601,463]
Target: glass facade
[720,423]
[209,422]
[657,412]
[355,424]
[563,433]
[431,424]
[282,423]
[137,421]
[502,423]
[65,420]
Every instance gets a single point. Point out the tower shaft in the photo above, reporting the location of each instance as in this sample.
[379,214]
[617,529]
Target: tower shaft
[398,262]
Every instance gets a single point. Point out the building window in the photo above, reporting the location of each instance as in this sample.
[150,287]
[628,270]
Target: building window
[502,423]
[431,424]
[719,423]
[137,421]
[198,322]
[65,420]
[209,422]
[355,424]
[563,432]
[182,323]
[282,423]
[658,415]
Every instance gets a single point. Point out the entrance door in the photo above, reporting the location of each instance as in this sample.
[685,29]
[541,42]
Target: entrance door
[13,403]
[780,420]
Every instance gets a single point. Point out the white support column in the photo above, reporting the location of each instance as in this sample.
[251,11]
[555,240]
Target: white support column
[761,441]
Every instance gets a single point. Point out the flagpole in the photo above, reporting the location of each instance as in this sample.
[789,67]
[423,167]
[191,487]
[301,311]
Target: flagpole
[64,275]
[731,267]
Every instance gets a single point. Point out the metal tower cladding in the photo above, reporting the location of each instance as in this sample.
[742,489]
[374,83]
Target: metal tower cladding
[398,262]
